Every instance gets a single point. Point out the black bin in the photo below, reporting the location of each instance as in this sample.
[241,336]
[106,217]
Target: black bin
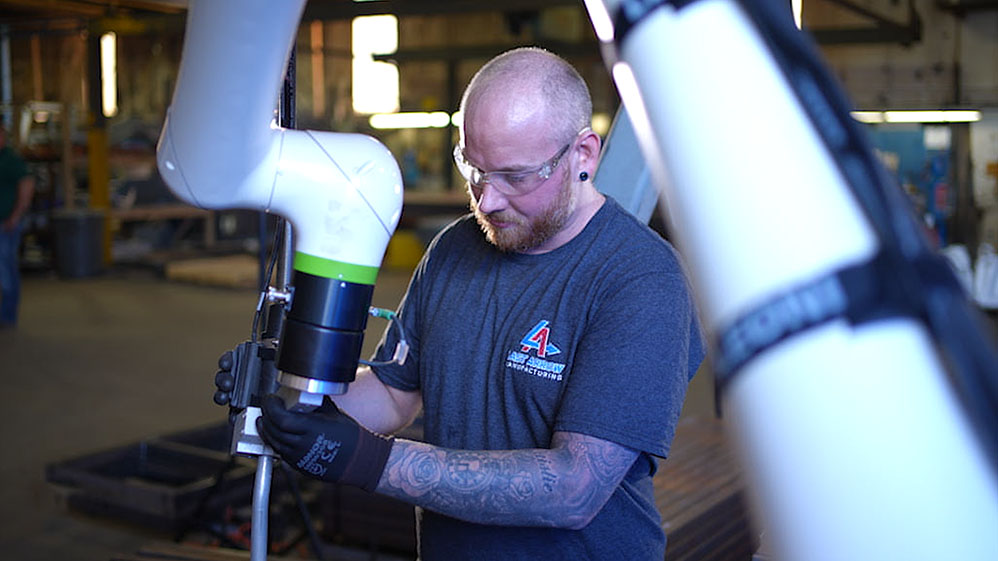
[79,235]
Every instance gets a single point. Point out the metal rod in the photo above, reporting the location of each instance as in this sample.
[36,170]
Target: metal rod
[261,504]
[259,542]
[287,259]
[261,236]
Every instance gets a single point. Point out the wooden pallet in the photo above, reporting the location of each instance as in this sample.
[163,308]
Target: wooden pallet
[237,271]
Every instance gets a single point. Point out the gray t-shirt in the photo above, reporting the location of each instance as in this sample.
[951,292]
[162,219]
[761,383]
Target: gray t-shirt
[598,337]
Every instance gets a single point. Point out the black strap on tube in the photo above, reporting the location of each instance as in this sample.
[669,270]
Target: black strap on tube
[874,290]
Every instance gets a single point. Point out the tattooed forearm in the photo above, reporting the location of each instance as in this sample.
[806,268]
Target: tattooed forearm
[564,486]
[548,477]
[603,459]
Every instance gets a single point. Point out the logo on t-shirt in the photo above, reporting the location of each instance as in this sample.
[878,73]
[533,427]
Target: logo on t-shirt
[538,340]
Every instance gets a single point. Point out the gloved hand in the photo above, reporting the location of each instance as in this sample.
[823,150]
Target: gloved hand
[326,443]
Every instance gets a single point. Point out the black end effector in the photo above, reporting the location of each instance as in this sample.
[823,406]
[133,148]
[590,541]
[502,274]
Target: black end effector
[324,330]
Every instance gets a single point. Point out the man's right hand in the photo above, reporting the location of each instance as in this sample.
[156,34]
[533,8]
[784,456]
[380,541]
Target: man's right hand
[326,444]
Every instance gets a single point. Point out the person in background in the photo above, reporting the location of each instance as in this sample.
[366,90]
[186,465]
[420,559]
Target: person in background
[552,337]
[16,189]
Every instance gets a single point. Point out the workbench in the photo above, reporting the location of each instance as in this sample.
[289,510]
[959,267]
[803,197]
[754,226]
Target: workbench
[170,211]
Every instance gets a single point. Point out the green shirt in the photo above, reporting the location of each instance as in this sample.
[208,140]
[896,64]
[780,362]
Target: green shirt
[12,170]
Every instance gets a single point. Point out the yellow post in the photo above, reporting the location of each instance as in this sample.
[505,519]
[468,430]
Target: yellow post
[99,180]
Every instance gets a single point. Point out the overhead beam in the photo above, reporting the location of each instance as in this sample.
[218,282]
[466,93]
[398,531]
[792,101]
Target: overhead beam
[487,51]
[57,8]
[870,14]
[159,6]
[866,35]
[883,30]
[961,7]
[340,9]
[61,26]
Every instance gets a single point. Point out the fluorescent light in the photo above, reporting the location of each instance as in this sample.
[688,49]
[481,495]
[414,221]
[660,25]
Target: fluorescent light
[375,83]
[934,116]
[868,116]
[457,119]
[109,73]
[375,87]
[374,34]
[412,120]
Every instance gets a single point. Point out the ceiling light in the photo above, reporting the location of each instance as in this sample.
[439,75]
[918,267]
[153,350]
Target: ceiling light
[868,116]
[109,73]
[412,120]
[932,116]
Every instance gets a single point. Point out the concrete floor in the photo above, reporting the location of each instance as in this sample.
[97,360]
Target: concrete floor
[103,362]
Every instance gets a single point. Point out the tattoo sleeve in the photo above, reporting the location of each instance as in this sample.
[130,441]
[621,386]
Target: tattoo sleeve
[564,486]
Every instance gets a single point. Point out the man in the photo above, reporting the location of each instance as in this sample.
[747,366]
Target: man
[553,337]
[16,189]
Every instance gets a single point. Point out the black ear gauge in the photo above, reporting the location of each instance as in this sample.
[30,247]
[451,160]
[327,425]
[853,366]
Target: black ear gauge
[583,176]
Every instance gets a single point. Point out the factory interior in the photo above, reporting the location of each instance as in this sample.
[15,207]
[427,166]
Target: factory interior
[113,446]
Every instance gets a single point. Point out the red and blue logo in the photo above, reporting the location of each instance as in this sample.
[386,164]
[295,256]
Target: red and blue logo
[538,339]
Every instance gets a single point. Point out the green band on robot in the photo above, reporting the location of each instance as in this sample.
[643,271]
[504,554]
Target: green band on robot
[328,268]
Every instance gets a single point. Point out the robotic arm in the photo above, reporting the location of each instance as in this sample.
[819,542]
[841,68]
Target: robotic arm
[342,194]
[858,386]
[220,148]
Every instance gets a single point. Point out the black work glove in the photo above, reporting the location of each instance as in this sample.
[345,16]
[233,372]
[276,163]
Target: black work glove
[326,444]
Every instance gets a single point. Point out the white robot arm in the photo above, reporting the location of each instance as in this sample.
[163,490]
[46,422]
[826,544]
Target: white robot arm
[826,303]
[220,148]
[342,193]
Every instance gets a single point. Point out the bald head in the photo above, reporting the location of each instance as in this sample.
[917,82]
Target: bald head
[531,84]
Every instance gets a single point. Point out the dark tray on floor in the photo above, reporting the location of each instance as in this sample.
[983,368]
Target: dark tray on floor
[161,481]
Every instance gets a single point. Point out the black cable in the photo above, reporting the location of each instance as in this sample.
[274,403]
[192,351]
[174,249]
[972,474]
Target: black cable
[278,243]
[197,516]
[306,517]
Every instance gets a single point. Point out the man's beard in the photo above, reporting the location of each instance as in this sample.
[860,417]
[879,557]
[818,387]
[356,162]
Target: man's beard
[521,235]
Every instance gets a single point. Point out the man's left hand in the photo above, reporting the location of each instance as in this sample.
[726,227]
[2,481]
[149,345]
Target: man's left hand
[326,443]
